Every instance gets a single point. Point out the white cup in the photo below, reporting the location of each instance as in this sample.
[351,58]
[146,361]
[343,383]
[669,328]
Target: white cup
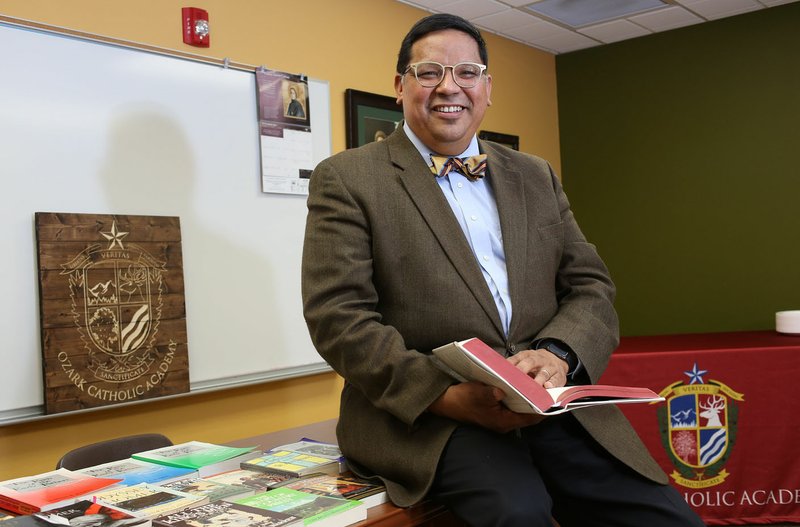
[788,322]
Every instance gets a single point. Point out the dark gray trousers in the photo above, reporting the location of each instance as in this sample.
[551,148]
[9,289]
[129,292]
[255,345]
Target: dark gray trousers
[551,470]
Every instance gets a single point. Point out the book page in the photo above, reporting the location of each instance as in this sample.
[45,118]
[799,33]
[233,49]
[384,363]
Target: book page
[593,394]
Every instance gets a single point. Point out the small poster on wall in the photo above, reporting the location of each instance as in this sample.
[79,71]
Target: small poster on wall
[112,309]
[284,117]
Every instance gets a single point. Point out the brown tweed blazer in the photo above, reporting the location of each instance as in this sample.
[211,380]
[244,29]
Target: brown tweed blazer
[388,275]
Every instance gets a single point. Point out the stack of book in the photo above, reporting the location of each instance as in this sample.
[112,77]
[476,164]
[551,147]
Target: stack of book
[299,459]
[148,501]
[257,480]
[313,509]
[206,458]
[81,513]
[214,490]
[370,493]
[132,472]
[224,514]
[50,490]
[196,483]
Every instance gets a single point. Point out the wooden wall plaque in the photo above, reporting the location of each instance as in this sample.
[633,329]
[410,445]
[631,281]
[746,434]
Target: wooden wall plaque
[112,309]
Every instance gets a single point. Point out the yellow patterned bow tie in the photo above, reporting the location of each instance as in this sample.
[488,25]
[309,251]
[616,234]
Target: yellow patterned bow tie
[474,167]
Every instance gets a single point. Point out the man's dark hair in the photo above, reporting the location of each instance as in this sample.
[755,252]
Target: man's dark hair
[438,22]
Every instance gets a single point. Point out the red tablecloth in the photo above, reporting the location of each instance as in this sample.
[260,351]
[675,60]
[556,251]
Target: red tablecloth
[727,434]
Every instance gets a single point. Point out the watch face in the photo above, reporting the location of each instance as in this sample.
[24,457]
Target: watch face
[563,355]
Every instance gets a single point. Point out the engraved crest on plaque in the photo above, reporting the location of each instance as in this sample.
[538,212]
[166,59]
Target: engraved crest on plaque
[116,291]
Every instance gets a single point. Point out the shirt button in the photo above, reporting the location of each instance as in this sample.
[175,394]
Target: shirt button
[460,185]
[485,258]
[473,218]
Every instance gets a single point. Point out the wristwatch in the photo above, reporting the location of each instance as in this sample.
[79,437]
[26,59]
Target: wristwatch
[561,352]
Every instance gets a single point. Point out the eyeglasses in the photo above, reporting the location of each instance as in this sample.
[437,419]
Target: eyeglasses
[431,74]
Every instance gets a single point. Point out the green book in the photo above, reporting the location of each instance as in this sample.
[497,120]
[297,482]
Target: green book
[207,458]
[316,510]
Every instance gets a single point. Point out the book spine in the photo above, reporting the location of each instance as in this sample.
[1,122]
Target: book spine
[258,468]
[17,506]
[161,462]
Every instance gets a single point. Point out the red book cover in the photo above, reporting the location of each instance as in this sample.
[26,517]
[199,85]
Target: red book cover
[521,382]
[49,490]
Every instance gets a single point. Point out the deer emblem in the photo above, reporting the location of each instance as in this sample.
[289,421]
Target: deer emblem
[711,410]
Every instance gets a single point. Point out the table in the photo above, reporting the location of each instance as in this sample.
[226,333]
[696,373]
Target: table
[384,515]
[727,432]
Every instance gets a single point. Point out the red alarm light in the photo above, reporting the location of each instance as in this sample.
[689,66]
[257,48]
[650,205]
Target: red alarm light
[195,27]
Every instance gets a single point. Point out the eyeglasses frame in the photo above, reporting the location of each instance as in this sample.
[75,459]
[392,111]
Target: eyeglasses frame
[444,67]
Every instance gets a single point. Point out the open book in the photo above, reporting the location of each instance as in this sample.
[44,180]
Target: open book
[473,360]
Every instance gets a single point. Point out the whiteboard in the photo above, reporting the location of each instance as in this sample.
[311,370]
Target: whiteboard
[97,128]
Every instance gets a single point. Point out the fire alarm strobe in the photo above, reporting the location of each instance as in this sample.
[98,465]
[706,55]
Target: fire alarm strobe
[195,27]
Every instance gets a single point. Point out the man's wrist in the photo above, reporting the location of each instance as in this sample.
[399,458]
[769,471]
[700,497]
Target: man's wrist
[560,350]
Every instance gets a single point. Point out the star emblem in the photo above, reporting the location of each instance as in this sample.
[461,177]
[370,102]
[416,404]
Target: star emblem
[695,375]
[114,236]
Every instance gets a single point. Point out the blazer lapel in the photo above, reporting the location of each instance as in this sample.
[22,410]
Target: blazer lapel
[416,178]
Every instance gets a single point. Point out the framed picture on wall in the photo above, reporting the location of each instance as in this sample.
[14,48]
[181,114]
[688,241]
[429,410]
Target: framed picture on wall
[511,141]
[370,117]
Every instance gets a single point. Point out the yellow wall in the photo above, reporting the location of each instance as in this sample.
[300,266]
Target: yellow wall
[351,44]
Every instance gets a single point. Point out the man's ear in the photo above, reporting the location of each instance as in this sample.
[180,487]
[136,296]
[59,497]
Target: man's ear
[398,88]
[488,90]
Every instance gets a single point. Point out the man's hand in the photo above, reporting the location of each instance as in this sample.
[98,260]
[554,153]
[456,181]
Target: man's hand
[476,403]
[547,369]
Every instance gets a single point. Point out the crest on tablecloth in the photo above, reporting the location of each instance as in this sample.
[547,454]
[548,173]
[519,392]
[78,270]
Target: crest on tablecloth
[698,428]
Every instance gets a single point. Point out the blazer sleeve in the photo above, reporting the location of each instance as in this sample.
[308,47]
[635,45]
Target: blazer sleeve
[340,299]
[586,319]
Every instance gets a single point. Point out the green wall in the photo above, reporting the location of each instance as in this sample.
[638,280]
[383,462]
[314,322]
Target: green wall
[680,154]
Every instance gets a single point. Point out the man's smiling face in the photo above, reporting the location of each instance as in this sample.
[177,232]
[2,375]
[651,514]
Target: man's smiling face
[445,117]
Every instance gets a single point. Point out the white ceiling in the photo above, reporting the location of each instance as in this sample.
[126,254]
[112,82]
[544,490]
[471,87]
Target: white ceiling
[511,19]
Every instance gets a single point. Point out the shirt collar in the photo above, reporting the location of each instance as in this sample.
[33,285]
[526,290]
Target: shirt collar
[425,152]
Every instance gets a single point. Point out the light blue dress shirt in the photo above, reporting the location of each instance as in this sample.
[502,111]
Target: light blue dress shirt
[475,209]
